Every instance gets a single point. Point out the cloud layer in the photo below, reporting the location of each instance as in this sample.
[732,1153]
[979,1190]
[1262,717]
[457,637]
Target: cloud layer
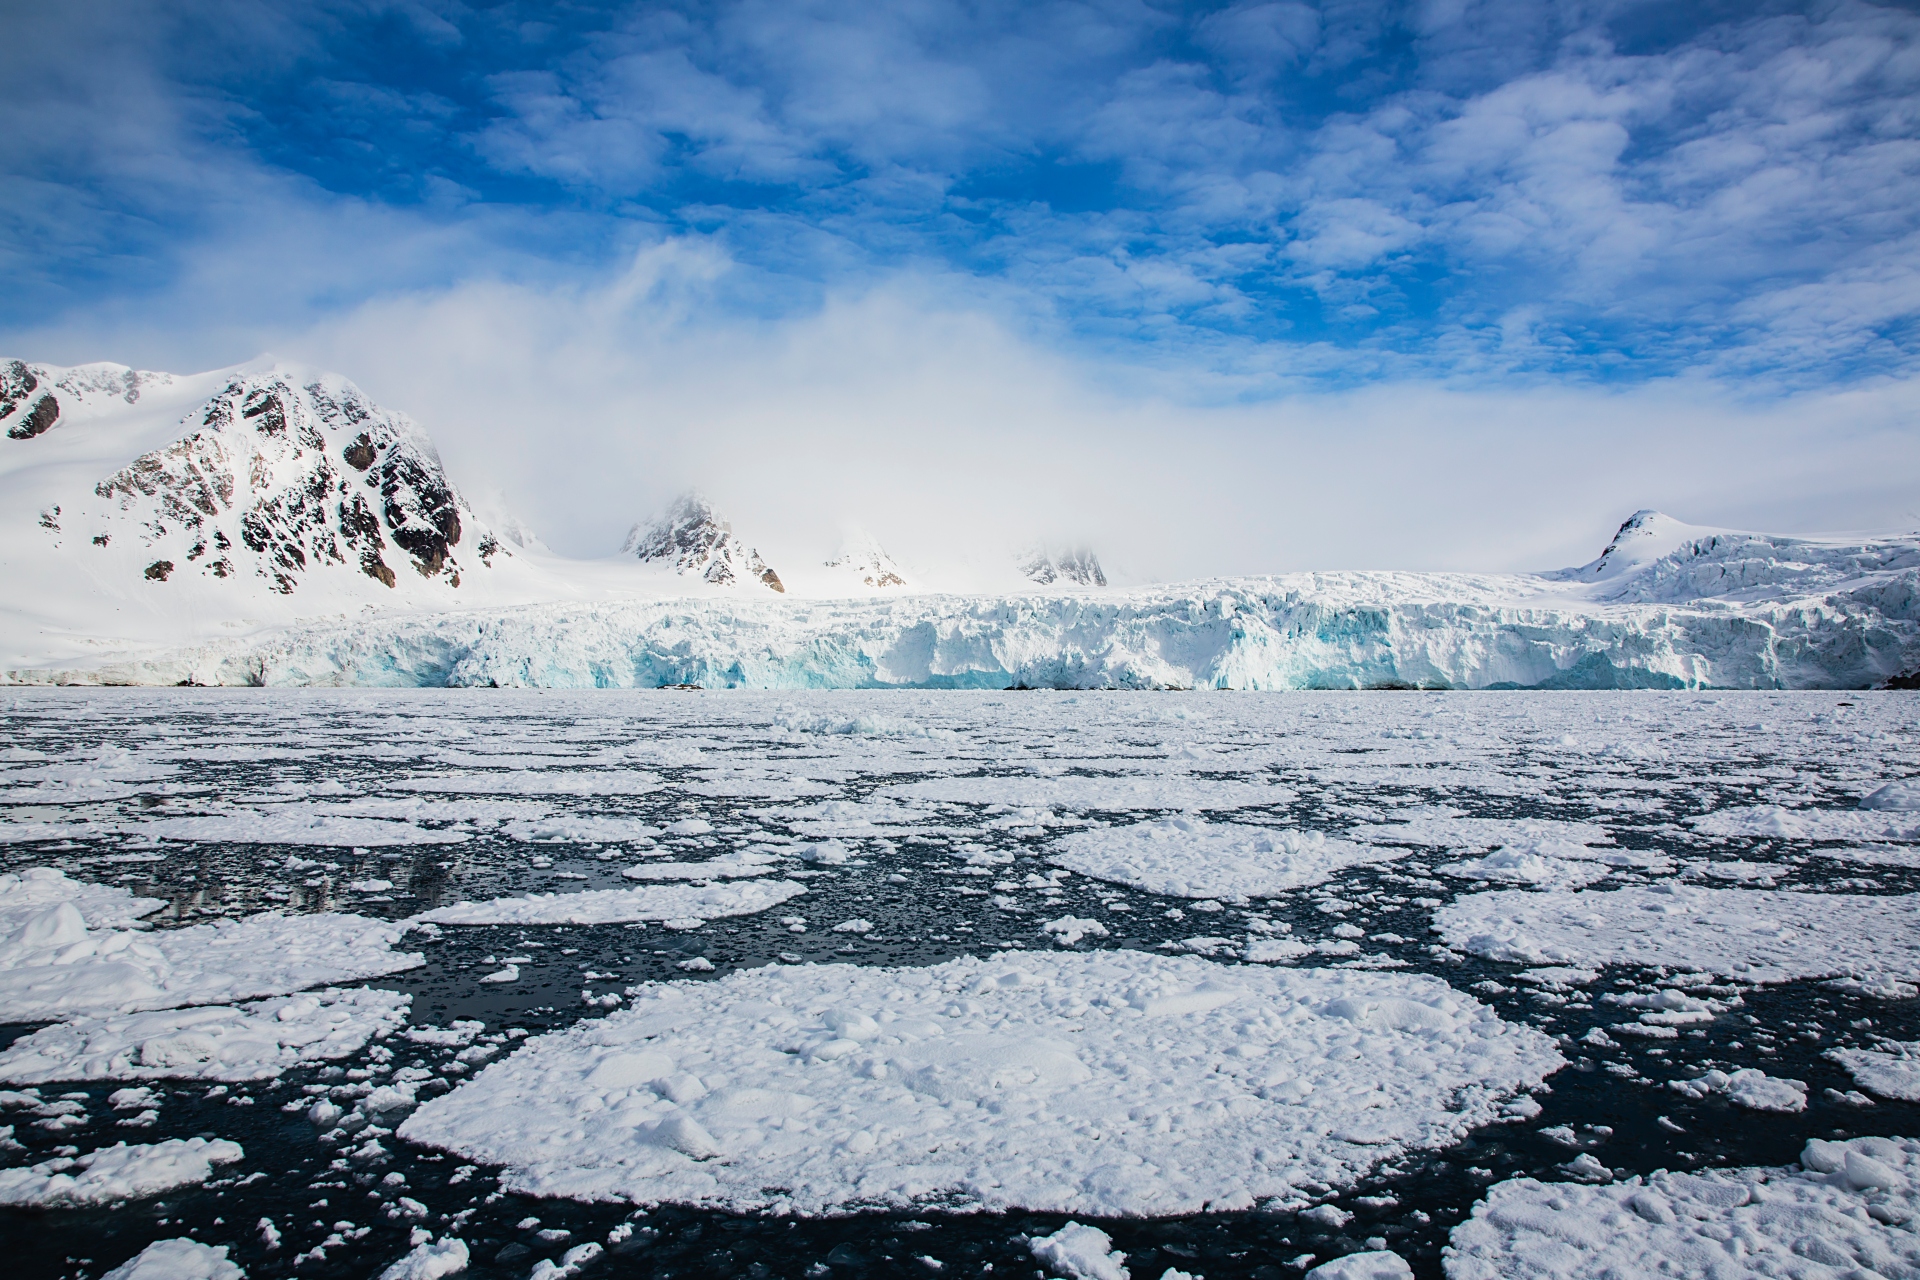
[1101,258]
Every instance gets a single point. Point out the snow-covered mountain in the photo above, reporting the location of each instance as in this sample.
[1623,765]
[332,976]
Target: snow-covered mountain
[864,561]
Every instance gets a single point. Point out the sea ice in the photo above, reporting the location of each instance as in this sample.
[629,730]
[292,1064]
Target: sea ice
[726,866]
[1445,830]
[666,902]
[1111,1082]
[524,782]
[116,1173]
[1892,1070]
[1188,857]
[1903,795]
[29,903]
[1756,935]
[53,965]
[1878,823]
[179,1259]
[1848,1212]
[1123,792]
[254,1041]
[1373,1264]
[1080,1252]
[1748,1087]
[430,1260]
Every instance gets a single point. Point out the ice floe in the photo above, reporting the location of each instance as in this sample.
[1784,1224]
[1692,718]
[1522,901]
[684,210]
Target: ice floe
[664,902]
[1850,1211]
[179,1259]
[1370,1264]
[1892,1070]
[1078,791]
[1748,1087]
[1111,1082]
[1756,935]
[1188,857]
[430,1260]
[725,867]
[1888,823]
[116,1173]
[254,1041]
[1080,1252]
[53,965]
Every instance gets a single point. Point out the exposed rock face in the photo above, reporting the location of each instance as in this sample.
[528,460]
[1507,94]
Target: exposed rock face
[30,397]
[1076,566]
[258,484]
[694,541]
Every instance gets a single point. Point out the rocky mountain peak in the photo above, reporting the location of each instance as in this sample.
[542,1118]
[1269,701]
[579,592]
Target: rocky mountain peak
[282,475]
[1072,566]
[692,539]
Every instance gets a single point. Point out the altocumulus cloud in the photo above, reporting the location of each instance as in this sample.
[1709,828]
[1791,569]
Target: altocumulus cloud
[1451,267]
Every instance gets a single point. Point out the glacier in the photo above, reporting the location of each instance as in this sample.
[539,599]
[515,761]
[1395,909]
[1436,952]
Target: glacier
[1796,620]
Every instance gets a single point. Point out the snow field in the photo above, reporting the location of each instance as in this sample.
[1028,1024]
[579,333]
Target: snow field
[116,1173]
[53,965]
[254,1041]
[1107,1083]
[1755,935]
[1848,1212]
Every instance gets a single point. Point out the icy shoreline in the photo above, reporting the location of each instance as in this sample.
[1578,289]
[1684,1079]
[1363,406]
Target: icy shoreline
[1345,631]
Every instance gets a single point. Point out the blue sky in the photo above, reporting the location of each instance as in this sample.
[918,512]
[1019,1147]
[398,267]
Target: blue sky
[1709,209]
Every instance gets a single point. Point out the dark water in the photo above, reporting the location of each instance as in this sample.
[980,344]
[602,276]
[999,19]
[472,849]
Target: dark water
[314,1190]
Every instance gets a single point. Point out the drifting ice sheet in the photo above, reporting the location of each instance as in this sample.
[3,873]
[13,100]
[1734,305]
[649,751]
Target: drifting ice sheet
[214,1042]
[116,1173]
[1850,1212]
[177,1260]
[1190,858]
[1811,824]
[1110,1083]
[1166,791]
[1756,935]
[292,824]
[1892,1070]
[53,965]
[615,906]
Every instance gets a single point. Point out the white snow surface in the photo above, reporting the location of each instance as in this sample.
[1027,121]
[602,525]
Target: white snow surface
[1889,823]
[1125,792]
[52,965]
[1755,935]
[1892,1070]
[1112,1082]
[430,1260]
[255,1041]
[1187,857]
[1371,1264]
[1850,1211]
[1748,1087]
[611,906]
[116,1173]
[179,1259]
[1080,1252]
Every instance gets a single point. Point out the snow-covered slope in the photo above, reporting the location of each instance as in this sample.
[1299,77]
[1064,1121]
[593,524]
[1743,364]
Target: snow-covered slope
[268,524]
[141,505]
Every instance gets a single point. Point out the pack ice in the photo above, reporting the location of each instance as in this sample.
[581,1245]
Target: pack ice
[67,947]
[269,524]
[1114,1082]
[1848,1211]
[1755,935]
